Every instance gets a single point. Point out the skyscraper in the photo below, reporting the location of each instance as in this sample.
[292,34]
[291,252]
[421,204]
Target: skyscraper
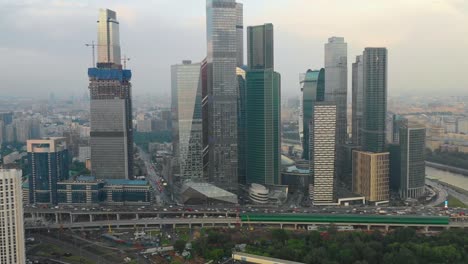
[48,162]
[322,153]
[413,167]
[241,123]
[336,90]
[240,34]
[111,137]
[187,119]
[357,100]
[108,38]
[263,106]
[370,175]
[313,91]
[375,99]
[222,92]
[260,49]
[12,248]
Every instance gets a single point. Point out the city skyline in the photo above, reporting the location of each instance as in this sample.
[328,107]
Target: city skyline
[62,45]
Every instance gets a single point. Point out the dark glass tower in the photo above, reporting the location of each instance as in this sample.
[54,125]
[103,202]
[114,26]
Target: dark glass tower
[313,90]
[111,137]
[262,108]
[374,99]
[48,164]
[357,100]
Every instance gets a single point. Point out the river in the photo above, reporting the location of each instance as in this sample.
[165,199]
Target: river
[451,178]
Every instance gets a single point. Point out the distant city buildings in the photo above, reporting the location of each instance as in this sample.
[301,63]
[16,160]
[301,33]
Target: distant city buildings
[187,119]
[12,247]
[49,163]
[111,133]
[262,108]
[322,153]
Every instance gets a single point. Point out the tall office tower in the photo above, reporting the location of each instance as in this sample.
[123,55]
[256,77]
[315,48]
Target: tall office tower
[6,117]
[413,168]
[12,248]
[240,34]
[370,175]
[322,153]
[398,122]
[108,45]
[2,132]
[187,119]
[357,100]
[222,92]
[263,107]
[260,47]
[241,124]
[336,90]
[48,163]
[313,91]
[375,99]
[111,137]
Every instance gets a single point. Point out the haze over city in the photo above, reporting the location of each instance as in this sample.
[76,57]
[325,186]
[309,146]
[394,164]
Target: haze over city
[42,45]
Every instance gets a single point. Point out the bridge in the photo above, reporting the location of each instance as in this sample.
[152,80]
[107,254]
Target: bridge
[125,220]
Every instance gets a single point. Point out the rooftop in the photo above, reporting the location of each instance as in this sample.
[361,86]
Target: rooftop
[126,182]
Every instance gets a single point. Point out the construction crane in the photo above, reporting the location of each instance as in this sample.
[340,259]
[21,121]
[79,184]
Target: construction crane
[92,45]
[125,59]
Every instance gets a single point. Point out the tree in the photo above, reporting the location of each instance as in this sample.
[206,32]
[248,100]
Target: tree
[179,246]
[279,235]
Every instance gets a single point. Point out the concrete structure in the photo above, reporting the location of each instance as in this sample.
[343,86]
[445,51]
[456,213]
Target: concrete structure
[357,100]
[296,177]
[262,109]
[111,136]
[322,153]
[336,90]
[413,169]
[187,119]
[371,175]
[313,90]
[375,99]
[85,190]
[258,193]
[49,164]
[12,247]
[221,92]
[250,258]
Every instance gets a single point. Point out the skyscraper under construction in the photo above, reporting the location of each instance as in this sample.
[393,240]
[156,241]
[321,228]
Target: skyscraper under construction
[111,136]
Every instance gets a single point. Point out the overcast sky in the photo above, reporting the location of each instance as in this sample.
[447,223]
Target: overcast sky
[42,41]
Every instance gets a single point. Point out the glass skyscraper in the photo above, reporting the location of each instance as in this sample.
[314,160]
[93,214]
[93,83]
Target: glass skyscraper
[222,92]
[187,119]
[413,167]
[313,90]
[357,100]
[49,163]
[263,106]
[375,99]
[111,137]
[336,90]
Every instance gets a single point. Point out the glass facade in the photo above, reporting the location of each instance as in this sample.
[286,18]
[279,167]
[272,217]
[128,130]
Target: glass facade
[260,47]
[108,37]
[222,92]
[241,124]
[187,119]
[313,90]
[375,99]
[357,100]
[263,121]
[111,137]
[413,168]
[49,164]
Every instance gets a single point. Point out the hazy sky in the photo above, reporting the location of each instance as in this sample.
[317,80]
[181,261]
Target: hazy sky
[42,41]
